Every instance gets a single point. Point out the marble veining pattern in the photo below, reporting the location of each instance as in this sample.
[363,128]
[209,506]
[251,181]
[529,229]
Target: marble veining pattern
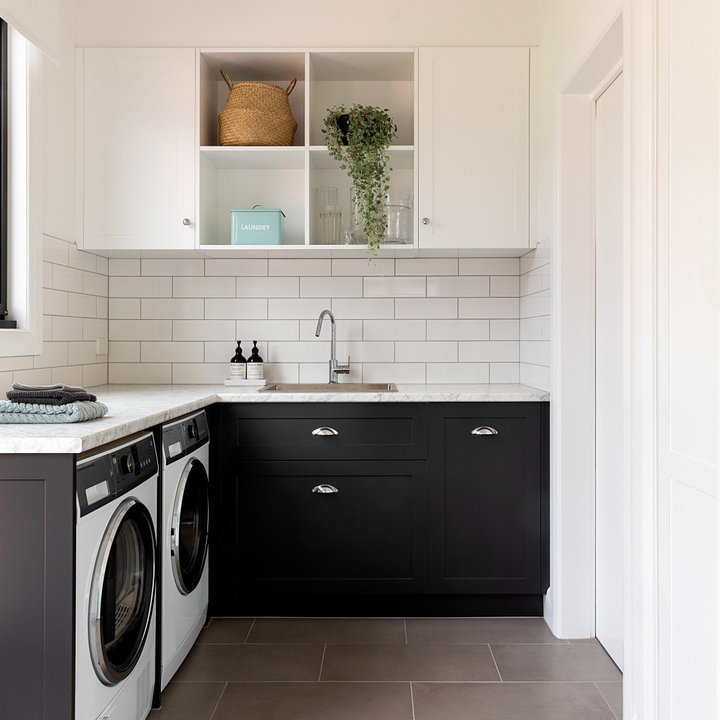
[132,408]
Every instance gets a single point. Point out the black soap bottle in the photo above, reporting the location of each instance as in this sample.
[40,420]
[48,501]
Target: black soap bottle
[255,364]
[238,364]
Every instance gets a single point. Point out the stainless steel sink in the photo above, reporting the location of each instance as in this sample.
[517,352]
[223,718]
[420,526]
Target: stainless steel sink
[330,388]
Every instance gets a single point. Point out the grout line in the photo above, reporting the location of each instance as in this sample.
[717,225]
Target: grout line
[412,701]
[595,683]
[492,654]
[405,626]
[322,661]
[252,625]
[212,714]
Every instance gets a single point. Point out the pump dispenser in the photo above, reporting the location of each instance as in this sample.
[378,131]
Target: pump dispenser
[238,364]
[255,364]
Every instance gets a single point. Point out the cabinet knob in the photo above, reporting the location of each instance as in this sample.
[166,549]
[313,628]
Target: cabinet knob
[426,221]
[484,430]
[324,431]
[186,222]
[325,489]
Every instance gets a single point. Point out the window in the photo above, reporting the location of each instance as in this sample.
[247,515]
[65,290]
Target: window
[4,322]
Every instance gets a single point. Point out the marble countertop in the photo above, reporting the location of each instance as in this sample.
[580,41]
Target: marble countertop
[132,408]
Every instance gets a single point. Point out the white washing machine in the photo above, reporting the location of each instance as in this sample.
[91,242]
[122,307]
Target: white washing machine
[184,539]
[116,564]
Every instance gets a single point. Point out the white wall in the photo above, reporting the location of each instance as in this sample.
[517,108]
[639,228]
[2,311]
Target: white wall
[314,23]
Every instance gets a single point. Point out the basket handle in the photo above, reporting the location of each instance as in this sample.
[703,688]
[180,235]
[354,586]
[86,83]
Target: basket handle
[227,79]
[291,86]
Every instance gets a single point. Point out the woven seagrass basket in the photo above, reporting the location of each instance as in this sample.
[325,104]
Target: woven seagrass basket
[257,114]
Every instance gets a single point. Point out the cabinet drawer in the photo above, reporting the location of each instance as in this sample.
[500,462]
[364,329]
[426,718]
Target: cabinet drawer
[325,431]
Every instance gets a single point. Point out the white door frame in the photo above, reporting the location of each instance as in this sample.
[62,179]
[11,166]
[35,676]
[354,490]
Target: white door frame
[633,40]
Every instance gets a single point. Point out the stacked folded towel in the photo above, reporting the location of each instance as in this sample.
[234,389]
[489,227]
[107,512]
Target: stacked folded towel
[48,394]
[49,404]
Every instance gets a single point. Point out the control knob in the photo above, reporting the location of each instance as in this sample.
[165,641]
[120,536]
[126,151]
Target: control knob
[127,464]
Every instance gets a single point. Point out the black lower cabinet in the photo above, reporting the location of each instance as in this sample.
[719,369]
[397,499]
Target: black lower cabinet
[488,499]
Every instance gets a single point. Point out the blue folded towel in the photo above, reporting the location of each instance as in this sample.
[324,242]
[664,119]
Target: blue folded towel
[14,412]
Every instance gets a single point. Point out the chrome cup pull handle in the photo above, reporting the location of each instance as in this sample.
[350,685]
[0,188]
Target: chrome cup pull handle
[484,430]
[325,431]
[325,489]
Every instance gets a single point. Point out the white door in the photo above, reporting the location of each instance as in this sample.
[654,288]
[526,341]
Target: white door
[473,162]
[138,144]
[609,376]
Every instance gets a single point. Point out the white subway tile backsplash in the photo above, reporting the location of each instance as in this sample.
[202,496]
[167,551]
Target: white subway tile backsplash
[428,308]
[94,328]
[55,302]
[194,267]
[53,354]
[455,287]
[82,305]
[318,373]
[174,352]
[103,265]
[394,330]
[140,329]
[363,308]
[363,352]
[504,372]
[15,363]
[505,286]
[202,330]
[264,330]
[427,352]
[247,308]
[123,266]
[41,376]
[268,287]
[489,266]
[67,278]
[140,287]
[233,267]
[55,250]
[426,266]
[535,353]
[341,287]
[81,260]
[394,287]
[394,372]
[504,330]
[96,374]
[140,373]
[464,372]
[352,266]
[69,375]
[302,267]
[203,287]
[488,308]
[123,352]
[537,376]
[67,328]
[81,353]
[198,373]
[288,352]
[349,330]
[296,309]
[101,307]
[489,351]
[458,329]
[281,372]
[172,308]
[124,308]
[95,284]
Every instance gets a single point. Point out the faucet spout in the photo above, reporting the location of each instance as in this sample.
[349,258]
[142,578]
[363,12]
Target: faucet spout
[335,368]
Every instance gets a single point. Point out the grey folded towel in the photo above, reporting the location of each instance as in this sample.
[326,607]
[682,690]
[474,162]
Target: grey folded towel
[41,388]
[48,397]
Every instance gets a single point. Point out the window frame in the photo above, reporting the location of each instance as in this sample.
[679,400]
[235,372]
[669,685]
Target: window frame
[4,274]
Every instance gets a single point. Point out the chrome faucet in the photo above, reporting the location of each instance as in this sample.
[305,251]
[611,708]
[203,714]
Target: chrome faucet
[336,368]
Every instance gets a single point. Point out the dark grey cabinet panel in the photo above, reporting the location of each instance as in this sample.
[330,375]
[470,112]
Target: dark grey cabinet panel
[488,520]
[37,505]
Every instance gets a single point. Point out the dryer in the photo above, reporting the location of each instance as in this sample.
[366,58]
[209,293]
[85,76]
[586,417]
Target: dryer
[184,539]
[116,572]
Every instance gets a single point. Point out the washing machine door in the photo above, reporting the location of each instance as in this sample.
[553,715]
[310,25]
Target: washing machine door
[122,592]
[189,527]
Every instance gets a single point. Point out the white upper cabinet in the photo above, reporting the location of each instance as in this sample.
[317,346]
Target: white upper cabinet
[137,142]
[473,161]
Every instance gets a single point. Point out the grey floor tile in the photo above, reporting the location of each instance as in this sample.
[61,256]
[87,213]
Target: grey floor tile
[509,701]
[479,630]
[408,662]
[315,701]
[252,662]
[328,630]
[568,661]
[226,630]
[189,701]
[613,694]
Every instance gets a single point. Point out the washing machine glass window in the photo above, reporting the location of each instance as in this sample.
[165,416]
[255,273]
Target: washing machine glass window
[122,593]
[189,527]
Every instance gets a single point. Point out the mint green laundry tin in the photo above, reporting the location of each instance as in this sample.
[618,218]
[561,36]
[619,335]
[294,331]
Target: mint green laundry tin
[257,226]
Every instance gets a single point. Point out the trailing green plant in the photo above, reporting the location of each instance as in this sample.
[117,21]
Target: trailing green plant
[362,149]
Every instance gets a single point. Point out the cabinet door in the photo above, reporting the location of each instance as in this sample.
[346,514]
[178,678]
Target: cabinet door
[364,534]
[138,121]
[473,162]
[488,498]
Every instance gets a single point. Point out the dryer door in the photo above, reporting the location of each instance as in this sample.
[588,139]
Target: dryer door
[122,592]
[189,527]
